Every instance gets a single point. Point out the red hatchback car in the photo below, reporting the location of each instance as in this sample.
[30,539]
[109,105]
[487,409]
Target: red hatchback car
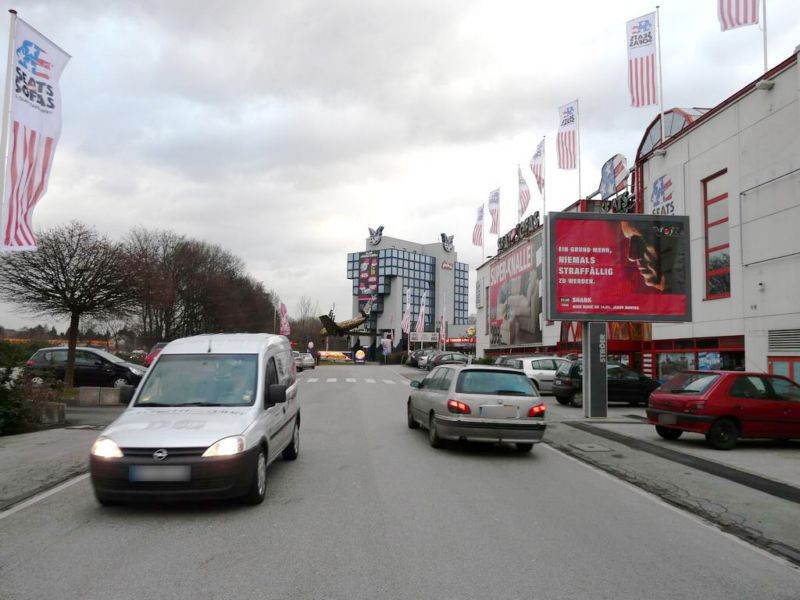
[726,406]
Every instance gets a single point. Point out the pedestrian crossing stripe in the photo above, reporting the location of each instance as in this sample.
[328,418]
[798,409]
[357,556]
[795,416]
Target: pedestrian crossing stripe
[388,381]
[350,380]
[370,380]
[331,380]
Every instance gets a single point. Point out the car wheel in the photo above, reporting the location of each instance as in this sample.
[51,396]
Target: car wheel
[258,486]
[433,436]
[668,433]
[120,382]
[293,449]
[723,434]
[564,400]
[524,447]
[412,424]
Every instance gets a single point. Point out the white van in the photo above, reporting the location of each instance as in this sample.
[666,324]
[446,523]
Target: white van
[212,412]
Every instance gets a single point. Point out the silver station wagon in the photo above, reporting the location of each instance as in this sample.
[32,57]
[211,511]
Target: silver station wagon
[479,404]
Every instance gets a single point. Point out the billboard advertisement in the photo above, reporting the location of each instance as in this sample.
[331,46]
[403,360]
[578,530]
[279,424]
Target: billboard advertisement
[367,277]
[610,267]
[515,295]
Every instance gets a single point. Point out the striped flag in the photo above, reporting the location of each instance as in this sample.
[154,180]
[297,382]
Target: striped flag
[567,139]
[642,60]
[537,166]
[494,210]
[477,231]
[614,176]
[421,316]
[285,329]
[737,13]
[405,324]
[524,193]
[35,123]
[442,329]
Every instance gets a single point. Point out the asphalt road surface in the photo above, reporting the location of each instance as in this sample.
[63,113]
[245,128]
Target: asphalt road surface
[370,511]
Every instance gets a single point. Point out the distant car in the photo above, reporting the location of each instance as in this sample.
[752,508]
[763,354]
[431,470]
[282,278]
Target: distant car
[447,358]
[308,360]
[422,359]
[154,351]
[477,403]
[413,358]
[726,406]
[624,384]
[298,360]
[93,367]
[541,370]
[506,360]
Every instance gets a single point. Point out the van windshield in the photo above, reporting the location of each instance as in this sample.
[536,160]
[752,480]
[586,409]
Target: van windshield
[201,380]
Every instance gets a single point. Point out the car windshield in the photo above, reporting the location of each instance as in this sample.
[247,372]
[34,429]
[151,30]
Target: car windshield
[689,383]
[108,356]
[494,382]
[201,380]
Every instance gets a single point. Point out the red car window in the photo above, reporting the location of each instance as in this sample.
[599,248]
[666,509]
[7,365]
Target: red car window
[785,389]
[749,386]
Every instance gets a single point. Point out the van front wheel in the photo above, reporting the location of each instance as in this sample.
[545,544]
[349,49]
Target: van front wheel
[258,485]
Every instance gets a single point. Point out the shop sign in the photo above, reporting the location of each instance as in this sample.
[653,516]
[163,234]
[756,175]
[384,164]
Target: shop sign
[519,233]
[623,203]
[447,266]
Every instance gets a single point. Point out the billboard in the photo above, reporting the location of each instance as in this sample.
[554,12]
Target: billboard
[610,267]
[367,277]
[515,295]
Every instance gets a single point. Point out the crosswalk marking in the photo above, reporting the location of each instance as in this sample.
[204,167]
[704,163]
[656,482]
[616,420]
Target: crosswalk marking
[312,380]
[331,380]
[350,380]
[389,381]
[370,380]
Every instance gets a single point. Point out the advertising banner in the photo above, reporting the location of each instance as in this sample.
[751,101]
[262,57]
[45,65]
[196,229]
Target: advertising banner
[515,301]
[367,277]
[609,267]
[664,194]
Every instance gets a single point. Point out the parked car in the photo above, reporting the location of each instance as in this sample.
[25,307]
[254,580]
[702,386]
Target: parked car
[541,370]
[308,360]
[624,384]
[93,367]
[413,358]
[477,403]
[298,360]
[154,351]
[209,418]
[726,406]
[447,358]
[506,360]
[422,359]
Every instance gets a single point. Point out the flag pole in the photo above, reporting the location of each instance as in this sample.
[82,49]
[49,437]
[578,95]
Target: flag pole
[7,108]
[660,79]
[578,140]
[764,30]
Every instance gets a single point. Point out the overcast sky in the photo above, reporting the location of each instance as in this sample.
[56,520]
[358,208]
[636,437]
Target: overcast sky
[283,130]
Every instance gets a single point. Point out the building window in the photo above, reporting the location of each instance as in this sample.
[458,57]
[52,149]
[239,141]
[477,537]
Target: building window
[717,237]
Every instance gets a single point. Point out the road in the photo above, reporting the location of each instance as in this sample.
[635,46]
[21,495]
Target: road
[370,511]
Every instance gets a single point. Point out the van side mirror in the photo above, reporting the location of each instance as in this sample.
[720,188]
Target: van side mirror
[276,394]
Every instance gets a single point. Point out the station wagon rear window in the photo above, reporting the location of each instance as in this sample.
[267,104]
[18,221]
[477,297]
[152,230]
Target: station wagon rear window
[494,382]
[201,380]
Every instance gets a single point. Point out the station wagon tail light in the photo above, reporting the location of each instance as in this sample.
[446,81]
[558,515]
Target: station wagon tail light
[456,406]
[537,410]
[106,448]
[226,447]
[694,406]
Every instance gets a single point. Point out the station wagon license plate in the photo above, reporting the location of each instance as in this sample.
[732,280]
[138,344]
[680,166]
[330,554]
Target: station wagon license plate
[159,473]
[499,412]
[667,419]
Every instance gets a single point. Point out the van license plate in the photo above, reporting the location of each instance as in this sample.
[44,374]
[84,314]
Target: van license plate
[667,419]
[159,473]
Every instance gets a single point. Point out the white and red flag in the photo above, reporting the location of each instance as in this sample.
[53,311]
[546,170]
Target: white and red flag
[642,60]
[524,193]
[494,210]
[286,329]
[442,329]
[477,231]
[35,126]
[614,176]
[567,139]
[537,166]
[737,13]
[421,317]
[405,324]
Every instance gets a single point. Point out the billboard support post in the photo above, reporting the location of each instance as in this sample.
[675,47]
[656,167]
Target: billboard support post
[595,375]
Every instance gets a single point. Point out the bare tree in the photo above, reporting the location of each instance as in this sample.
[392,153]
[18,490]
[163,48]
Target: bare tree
[75,272]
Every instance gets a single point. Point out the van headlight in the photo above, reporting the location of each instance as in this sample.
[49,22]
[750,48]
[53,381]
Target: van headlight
[106,448]
[226,446]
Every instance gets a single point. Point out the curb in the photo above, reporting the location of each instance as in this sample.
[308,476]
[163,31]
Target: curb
[6,504]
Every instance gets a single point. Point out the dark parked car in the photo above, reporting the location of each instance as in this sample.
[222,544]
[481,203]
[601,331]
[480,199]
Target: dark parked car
[725,406]
[447,358]
[624,384]
[93,367]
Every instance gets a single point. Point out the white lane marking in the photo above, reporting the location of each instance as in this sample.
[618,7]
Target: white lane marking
[42,496]
[312,380]
[370,380]
[331,380]
[350,380]
[389,381]
[684,512]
